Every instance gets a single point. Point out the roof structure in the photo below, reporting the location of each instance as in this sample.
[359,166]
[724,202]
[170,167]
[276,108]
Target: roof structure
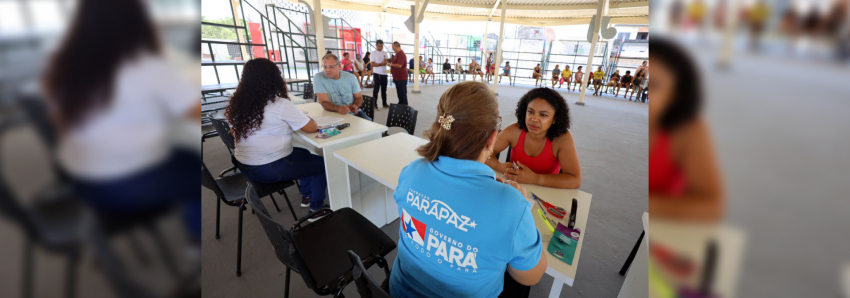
[522,12]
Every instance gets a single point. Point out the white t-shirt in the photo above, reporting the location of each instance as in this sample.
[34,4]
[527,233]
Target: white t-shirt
[359,66]
[273,140]
[133,132]
[379,57]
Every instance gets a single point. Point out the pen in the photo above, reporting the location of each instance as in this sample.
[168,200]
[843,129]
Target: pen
[546,220]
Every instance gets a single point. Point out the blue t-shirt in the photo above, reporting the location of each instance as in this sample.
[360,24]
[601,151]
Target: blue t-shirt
[340,91]
[460,229]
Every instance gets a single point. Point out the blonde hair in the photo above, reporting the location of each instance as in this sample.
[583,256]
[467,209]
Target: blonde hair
[475,111]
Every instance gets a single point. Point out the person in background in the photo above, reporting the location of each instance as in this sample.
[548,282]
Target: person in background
[507,71]
[113,110]
[346,64]
[262,122]
[555,73]
[459,67]
[499,241]
[578,78]
[598,75]
[367,73]
[489,67]
[543,146]
[613,81]
[359,70]
[447,69]
[636,82]
[338,91]
[422,71]
[398,71]
[566,76]
[474,69]
[379,78]
[625,82]
[410,71]
[429,70]
[536,75]
[684,180]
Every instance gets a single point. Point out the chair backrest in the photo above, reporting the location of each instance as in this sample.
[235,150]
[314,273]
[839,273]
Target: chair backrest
[308,92]
[402,116]
[368,107]
[10,207]
[223,129]
[208,181]
[280,237]
[366,285]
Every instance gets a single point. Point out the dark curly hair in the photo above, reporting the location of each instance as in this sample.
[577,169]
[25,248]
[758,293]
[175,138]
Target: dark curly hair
[261,83]
[562,112]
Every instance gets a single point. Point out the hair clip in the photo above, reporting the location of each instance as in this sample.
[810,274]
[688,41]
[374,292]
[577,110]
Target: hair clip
[446,122]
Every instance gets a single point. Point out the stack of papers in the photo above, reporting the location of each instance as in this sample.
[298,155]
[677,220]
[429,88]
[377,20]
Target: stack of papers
[327,120]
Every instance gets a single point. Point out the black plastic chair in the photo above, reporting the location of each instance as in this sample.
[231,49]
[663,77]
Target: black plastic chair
[308,92]
[318,251]
[224,132]
[402,116]
[231,190]
[366,285]
[368,107]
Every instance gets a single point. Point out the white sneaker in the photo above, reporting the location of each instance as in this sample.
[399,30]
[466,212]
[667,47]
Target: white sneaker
[378,107]
[318,216]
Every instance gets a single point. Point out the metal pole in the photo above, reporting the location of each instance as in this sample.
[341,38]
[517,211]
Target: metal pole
[417,6]
[499,48]
[601,11]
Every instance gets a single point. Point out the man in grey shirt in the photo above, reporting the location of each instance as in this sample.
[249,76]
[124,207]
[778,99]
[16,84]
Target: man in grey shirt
[338,91]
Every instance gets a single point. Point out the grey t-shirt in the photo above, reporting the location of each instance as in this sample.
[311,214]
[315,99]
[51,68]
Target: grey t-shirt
[340,91]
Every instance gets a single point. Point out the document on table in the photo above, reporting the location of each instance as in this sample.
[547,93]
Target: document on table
[327,120]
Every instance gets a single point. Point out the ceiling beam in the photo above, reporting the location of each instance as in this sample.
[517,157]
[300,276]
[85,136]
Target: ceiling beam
[494,8]
[384,6]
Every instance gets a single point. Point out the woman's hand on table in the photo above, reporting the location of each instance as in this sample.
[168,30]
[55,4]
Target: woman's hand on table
[521,175]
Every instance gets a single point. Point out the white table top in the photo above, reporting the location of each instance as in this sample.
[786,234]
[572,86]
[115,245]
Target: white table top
[359,126]
[562,198]
[297,99]
[690,240]
[383,159]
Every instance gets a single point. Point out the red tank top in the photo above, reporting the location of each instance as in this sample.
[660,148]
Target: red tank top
[545,163]
[665,176]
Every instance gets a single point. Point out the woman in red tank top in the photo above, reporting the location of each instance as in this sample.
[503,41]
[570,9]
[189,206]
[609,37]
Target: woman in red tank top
[684,182]
[543,147]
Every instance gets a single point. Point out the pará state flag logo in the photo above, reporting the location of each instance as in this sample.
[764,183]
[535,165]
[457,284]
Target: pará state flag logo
[413,228]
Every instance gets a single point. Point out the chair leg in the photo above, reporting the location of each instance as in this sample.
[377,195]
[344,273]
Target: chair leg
[294,217]
[137,249]
[631,255]
[217,216]
[286,293]
[26,291]
[275,203]
[239,244]
[71,276]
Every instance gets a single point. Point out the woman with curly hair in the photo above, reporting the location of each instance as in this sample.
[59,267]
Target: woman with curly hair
[263,121]
[544,151]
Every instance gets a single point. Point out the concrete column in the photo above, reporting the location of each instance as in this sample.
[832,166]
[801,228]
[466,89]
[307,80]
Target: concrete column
[484,54]
[319,25]
[499,48]
[601,11]
[418,5]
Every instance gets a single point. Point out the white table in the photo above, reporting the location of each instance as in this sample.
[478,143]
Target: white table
[689,239]
[562,273]
[379,163]
[382,160]
[297,99]
[360,131]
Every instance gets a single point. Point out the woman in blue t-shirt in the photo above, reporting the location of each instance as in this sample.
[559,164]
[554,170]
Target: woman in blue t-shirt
[462,227]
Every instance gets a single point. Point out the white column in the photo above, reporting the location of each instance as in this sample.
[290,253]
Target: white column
[417,4]
[499,48]
[726,49]
[319,25]
[484,54]
[601,11]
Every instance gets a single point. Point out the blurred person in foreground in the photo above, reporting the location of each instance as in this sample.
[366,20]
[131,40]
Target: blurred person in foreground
[114,99]
[684,181]
[498,249]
